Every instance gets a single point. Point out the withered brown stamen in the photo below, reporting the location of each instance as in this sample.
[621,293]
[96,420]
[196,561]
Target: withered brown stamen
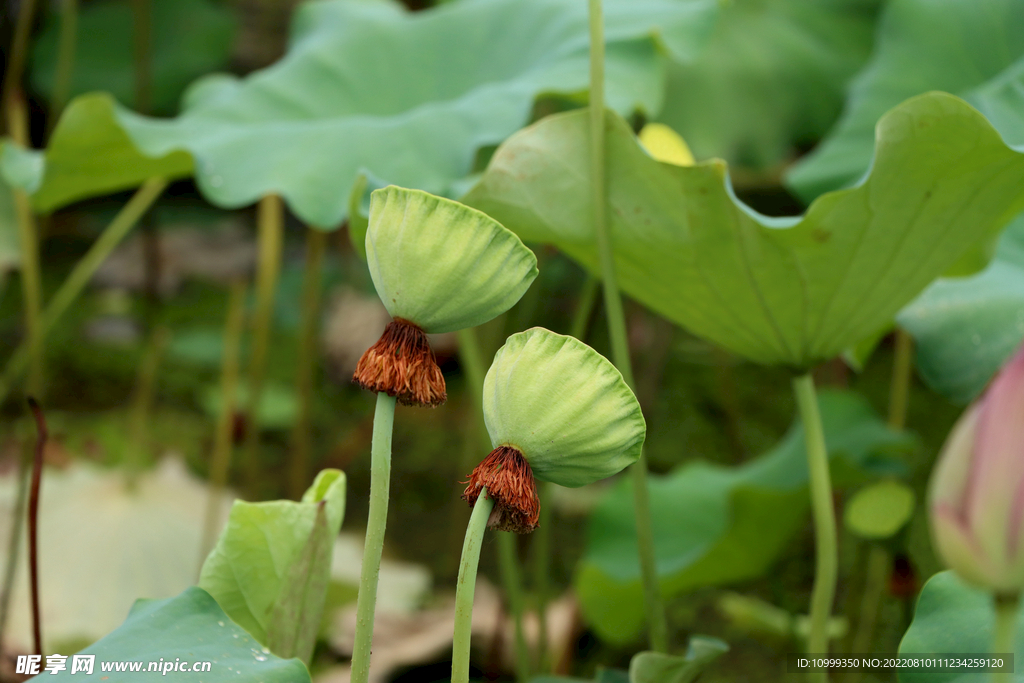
[509,481]
[402,364]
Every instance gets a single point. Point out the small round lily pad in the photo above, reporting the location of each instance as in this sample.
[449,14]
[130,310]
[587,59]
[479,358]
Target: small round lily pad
[880,510]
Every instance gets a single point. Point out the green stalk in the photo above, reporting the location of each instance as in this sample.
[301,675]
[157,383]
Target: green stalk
[142,404]
[31,290]
[471,358]
[512,583]
[270,226]
[658,624]
[541,573]
[879,564]
[65,60]
[380,484]
[1005,630]
[467,585]
[305,362]
[220,462]
[81,274]
[16,63]
[584,308]
[826,547]
[28,238]
[899,388]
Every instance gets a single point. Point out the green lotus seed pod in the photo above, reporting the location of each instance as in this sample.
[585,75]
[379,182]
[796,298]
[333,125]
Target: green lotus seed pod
[442,265]
[438,266]
[556,410]
[565,406]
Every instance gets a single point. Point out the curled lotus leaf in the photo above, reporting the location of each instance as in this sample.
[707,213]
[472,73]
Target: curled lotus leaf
[784,291]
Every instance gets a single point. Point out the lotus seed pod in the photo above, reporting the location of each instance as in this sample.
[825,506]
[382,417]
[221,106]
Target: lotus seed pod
[442,265]
[556,410]
[438,266]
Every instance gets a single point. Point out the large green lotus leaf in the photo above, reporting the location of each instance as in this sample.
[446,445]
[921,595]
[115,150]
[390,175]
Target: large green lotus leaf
[951,617]
[966,328]
[716,525]
[972,48]
[408,97]
[190,38]
[772,75]
[790,291]
[89,154]
[188,628]
[271,566]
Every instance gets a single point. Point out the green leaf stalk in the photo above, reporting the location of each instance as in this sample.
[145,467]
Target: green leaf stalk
[1006,607]
[380,484]
[466,587]
[80,275]
[305,361]
[826,570]
[220,462]
[657,621]
[28,238]
[270,226]
[65,66]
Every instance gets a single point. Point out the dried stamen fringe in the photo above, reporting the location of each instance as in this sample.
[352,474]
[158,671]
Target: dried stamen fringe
[509,481]
[402,364]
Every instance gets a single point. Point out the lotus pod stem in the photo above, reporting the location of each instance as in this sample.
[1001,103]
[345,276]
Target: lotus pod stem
[466,586]
[380,485]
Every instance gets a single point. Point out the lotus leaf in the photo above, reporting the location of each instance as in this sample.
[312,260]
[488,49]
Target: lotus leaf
[966,328]
[189,627]
[271,566]
[409,97]
[952,616]
[771,76]
[710,522]
[971,48]
[788,291]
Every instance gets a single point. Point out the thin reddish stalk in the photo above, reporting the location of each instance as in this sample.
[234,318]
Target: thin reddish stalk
[33,521]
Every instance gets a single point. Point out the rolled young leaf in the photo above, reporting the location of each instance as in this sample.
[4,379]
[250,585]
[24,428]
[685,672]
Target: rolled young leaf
[270,568]
[564,406]
[442,265]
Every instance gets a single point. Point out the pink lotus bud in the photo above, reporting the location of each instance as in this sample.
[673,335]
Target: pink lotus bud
[977,488]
